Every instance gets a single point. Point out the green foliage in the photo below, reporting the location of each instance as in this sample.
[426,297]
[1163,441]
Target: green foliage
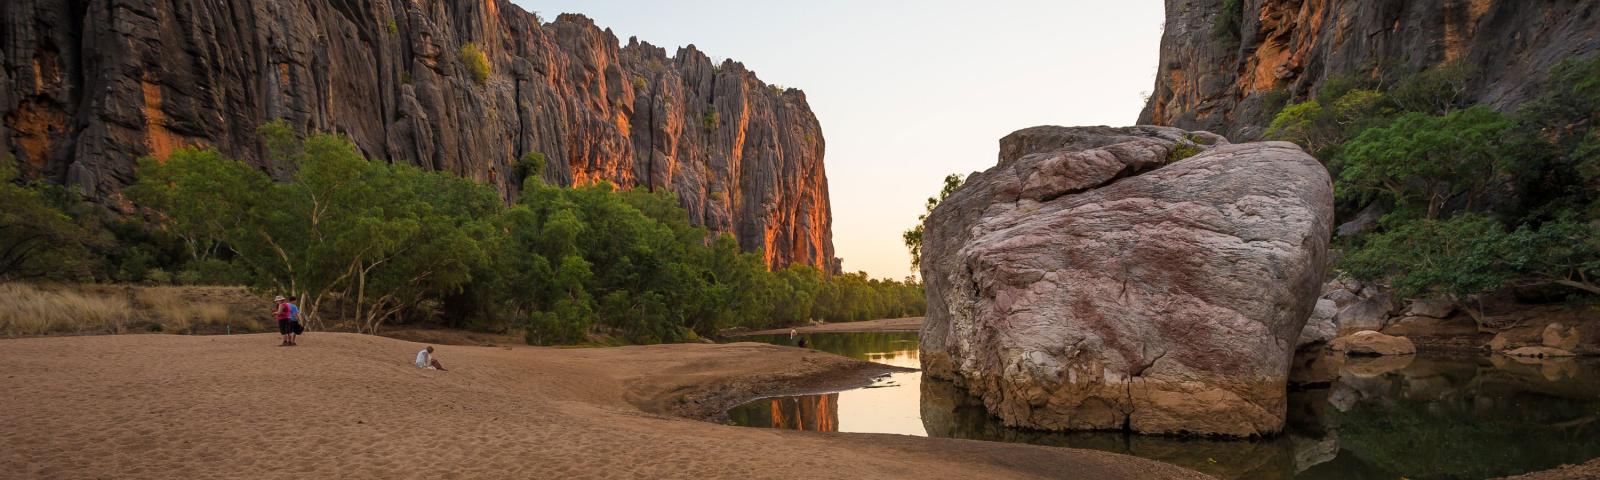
[372,243]
[639,82]
[913,236]
[1422,162]
[394,28]
[711,120]
[1226,28]
[1275,99]
[532,164]
[40,237]
[597,261]
[1321,130]
[1476,199]
[1459,256]
[1435,91]
[476,62]
[1186,147]
[381,239]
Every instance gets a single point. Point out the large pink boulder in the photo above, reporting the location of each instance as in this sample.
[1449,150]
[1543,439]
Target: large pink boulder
[1115,282]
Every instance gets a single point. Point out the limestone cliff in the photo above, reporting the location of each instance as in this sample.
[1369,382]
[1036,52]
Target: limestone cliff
[88,86]
[1286,49]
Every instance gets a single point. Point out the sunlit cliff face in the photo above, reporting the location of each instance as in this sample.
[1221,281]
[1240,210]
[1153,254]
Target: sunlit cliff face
[743,156]
[1288,49]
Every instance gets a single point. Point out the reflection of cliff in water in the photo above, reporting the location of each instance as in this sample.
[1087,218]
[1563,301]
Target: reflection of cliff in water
[812,413]
[1421,417]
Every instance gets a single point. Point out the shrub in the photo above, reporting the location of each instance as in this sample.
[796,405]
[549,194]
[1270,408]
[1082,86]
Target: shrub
[476,62]
[1275,99]
[711,120]
[394,28]
[1226,28]
[1188,146]
[156,276]
[1437,90]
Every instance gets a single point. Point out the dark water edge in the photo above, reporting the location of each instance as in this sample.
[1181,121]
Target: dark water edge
[1445,416]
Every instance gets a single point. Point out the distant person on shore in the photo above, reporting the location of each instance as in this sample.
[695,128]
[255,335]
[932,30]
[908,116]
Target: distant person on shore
[296,326]
[282,313]
[425,360]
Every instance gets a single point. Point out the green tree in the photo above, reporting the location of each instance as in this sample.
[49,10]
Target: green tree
[382,239]
[913,236]
[39,240]
[1422,162]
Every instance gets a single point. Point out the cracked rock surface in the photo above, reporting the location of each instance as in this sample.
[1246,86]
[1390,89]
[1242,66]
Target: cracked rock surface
[1096,280]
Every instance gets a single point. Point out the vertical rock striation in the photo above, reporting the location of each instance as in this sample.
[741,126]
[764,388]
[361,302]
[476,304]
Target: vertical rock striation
[1095,279]
[88,86]
[1287,49]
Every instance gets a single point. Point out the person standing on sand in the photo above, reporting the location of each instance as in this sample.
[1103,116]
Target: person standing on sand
[282,313]
[296,327]
[425,360]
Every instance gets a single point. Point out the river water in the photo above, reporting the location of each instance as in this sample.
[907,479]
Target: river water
[1417,417]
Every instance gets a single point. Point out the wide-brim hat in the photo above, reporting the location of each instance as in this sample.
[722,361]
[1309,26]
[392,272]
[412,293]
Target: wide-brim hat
[278,298]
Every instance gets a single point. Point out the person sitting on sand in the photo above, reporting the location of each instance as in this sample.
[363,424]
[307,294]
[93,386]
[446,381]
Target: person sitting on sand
[425,360]
[295,325]
[282,313]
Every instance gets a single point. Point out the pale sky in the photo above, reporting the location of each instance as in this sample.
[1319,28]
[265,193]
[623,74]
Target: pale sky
[909,91]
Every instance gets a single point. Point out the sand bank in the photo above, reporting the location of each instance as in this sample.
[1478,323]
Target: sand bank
[352,406]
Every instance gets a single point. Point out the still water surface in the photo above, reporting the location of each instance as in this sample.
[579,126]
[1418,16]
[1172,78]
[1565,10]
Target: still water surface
[1419,417]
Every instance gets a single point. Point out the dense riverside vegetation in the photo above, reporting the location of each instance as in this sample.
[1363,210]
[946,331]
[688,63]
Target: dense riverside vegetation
[366,243]
[1457,199]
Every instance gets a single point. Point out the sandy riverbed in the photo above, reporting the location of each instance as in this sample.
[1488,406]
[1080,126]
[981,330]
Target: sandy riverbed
[352,406]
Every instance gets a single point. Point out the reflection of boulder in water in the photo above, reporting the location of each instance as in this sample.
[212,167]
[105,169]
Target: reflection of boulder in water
[1566,376]
[1464,419]
[1310,452]
[950,412]
[1314,366]
[1368,367]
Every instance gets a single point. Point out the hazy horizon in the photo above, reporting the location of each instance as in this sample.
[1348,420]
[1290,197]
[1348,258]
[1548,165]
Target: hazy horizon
[898,115]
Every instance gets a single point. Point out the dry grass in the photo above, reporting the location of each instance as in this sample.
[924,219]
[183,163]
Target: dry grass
[28,310]
[169,307]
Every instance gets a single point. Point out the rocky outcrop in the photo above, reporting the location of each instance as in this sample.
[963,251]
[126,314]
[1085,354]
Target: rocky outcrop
[1320,327]
[1368,342]
[88,86]
[1097,280]
[1287,49]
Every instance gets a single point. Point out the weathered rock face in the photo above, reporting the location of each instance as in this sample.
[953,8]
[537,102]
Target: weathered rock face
[88,86]
[1090,282]
[1288,48]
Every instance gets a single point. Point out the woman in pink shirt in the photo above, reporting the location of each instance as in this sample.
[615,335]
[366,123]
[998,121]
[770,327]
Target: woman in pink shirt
[283,313]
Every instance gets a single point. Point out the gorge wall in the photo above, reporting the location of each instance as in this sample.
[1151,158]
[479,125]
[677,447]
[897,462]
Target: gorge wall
[1286,49]
[88,86]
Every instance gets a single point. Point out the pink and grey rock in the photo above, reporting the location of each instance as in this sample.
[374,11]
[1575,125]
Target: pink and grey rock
[1094,281]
